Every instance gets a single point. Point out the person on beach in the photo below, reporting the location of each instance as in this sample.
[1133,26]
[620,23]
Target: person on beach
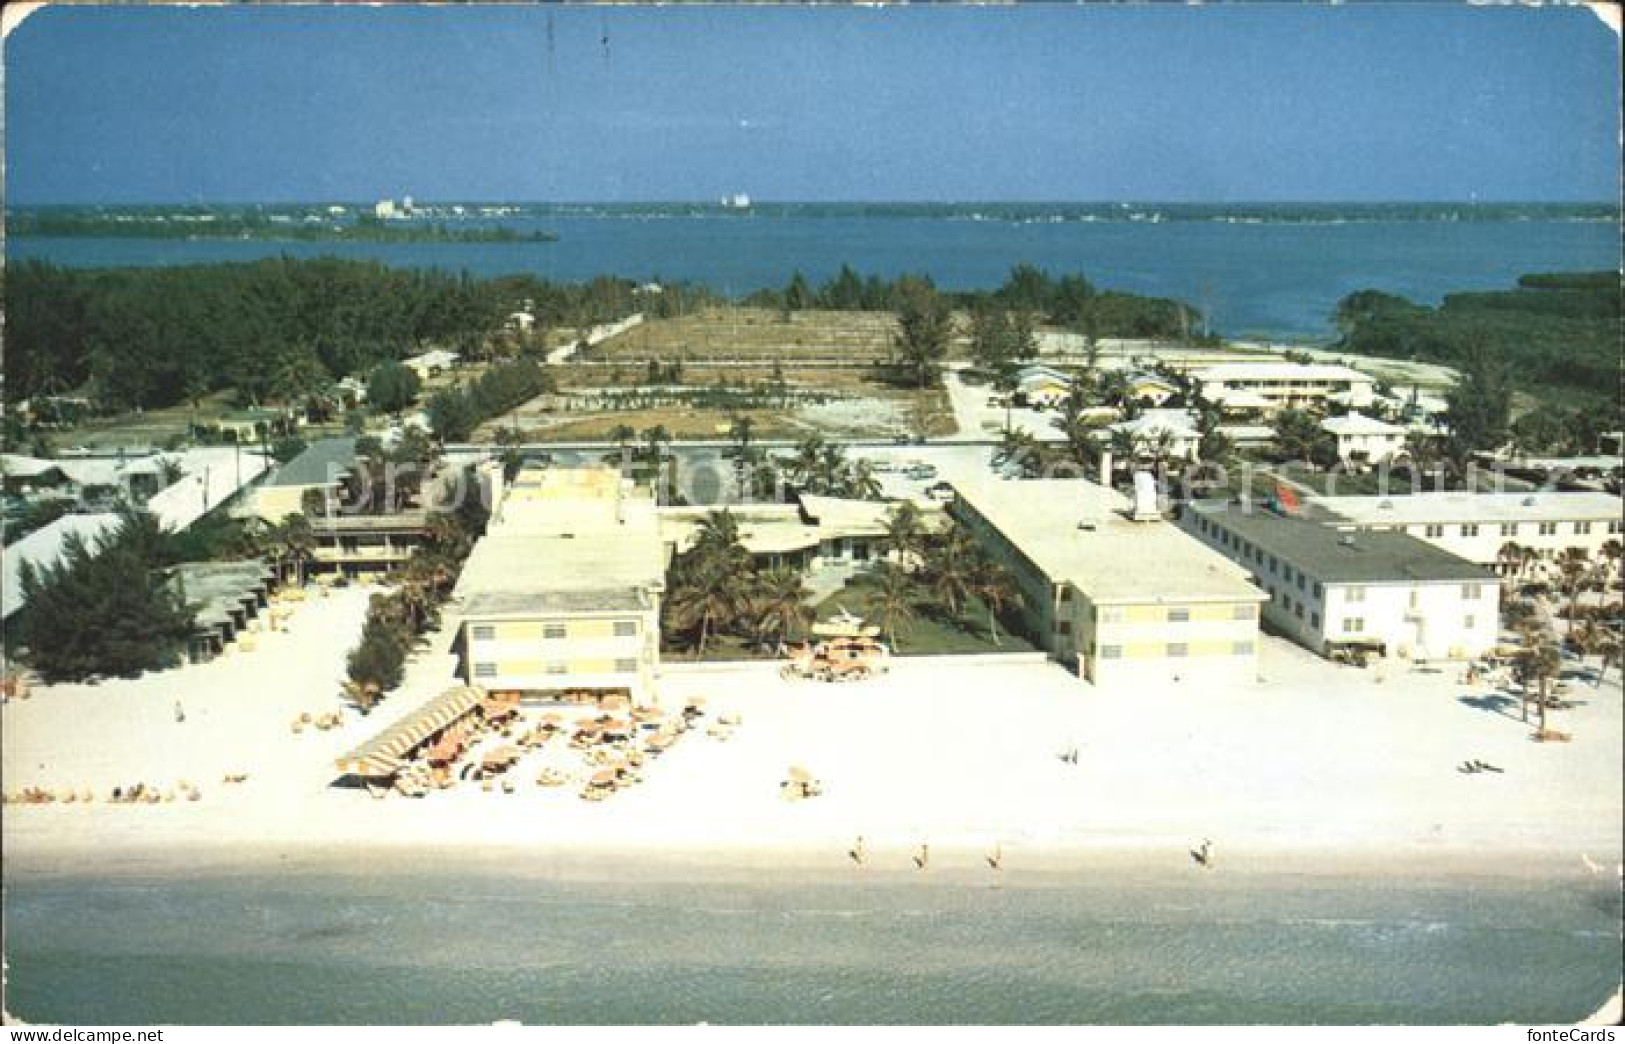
[180,712]
[856,852]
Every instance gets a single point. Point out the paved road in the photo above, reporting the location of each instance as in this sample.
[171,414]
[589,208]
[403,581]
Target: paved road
[980,422]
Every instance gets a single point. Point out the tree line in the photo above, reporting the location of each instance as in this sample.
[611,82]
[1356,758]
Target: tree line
[1557,332]
[272,330]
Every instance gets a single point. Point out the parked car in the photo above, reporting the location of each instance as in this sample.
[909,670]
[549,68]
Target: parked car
[943,491]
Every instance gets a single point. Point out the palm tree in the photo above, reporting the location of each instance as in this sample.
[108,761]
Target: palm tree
[893,602]
[1070,422]
[1510,558]
[992,584]
[862,483]
[1574,566]
[949,569]
[804,464]
[781,602]
[294,542]
[1538,663]
[708,601]
[1612,551]
[904,531]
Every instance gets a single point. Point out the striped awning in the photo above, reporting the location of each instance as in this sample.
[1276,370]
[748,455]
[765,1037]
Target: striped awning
[381,755]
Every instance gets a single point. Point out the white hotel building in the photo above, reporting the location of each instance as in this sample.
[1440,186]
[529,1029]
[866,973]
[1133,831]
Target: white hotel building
[1329,588]
[1284,385]
[1477,525]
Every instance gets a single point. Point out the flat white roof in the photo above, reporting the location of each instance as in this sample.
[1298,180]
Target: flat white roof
[1151,423]
[1282,372]
[1424,508]
[1360,424]
[520,573]
[1114,560]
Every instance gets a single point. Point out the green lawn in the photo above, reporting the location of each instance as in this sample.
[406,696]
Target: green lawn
[929,634]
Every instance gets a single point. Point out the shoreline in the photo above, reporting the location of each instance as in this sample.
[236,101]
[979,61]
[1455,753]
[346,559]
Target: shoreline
[661,861]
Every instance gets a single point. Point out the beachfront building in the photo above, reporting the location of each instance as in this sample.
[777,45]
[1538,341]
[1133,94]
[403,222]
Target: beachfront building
[1113,591]
[1364,440]
[1284,385]
[562,594]
[226,598]
[1326,589]
[1477,526]
[322,467]
[360,545]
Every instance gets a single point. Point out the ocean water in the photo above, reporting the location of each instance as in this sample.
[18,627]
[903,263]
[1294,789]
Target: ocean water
[458,946]
[1269,272]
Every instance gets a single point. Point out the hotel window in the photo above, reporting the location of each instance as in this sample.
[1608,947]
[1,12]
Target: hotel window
[1581,528]
[484,633]
[1241,612]
[1433,531]
[1509,529]
[1179,616]
[1178,649]
[557,667]
[1354,594]
[1320,589]
[1615,527]
[1314,620]
[1302,583]
[1548,529]
[554,631]
[1470,621]
[1111,652]
[1471,591]
[485,670]
[1469,529]
[1297,610]
[1111,616]
[626,666]
[1416,597]
[1353,624]
[626,628]
[1063,627]
[1241,648]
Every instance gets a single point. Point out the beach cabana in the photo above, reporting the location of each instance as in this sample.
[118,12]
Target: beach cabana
[385,753]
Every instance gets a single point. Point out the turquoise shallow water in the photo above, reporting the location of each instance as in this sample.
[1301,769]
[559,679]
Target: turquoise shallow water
[1252,276]
[471,946]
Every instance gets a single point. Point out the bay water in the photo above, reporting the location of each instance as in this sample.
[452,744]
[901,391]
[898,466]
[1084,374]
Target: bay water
[1254,272]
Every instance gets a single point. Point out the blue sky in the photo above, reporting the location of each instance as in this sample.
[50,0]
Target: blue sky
[1165,103]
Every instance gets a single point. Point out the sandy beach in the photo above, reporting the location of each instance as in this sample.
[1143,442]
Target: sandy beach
[1315,759]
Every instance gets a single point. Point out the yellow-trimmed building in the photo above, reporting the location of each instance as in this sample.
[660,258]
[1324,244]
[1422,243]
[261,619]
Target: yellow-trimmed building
[1121,600]
[563,592]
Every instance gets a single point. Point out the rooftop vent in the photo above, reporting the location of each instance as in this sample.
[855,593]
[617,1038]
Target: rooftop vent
[1528,501]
